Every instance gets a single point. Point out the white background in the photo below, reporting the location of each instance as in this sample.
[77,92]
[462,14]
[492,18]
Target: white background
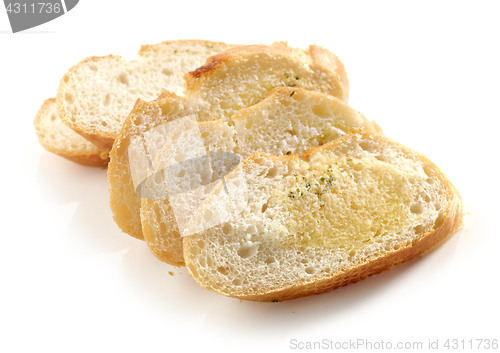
[71,281]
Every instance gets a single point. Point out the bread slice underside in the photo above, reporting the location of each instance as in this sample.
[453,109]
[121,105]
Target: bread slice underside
[235,79]
[197,155]
[347,210]
[96,95]
[57,138]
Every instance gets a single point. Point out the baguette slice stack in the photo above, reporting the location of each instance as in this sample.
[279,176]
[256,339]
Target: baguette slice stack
[249,168]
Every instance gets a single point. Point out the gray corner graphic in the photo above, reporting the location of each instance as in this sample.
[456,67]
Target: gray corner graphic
[70,4]
[28,14]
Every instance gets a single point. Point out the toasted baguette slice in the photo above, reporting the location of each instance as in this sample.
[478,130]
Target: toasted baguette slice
[57,138]
[242,76]
[289,120]
[235,79]
[347,210]
[96,95]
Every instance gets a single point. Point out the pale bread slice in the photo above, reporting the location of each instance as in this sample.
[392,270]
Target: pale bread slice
[347,210]
[57,138]
[289,120]
[96,95]
[230,81]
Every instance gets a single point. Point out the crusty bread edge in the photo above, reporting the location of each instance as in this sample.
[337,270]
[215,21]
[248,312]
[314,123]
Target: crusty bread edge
[218,59]
[87,159]
[450,223]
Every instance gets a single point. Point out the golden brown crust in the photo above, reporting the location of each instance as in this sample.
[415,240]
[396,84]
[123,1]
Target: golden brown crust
[90,161]
[210,65]
[451,222]
[106,143]
[170,255]
[218,59]
[167,249]
[83,157]
[129,226]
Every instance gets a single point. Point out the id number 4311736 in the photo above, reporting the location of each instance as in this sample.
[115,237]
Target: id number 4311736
[478,343]
[40,7]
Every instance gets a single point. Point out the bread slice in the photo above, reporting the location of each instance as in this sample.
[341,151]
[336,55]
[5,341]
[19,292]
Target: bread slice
[96,95]
[289,120]
[57,138]
[232,80]
[347,210]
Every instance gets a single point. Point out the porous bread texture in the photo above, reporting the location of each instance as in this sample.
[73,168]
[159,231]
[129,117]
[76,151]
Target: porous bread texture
[190,139]
[96,95]
[288,120]
[352,208]
[57,138]
[243,75]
